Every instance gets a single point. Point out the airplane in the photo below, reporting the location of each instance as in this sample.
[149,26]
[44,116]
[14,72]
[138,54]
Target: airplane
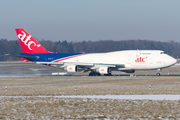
[95,63]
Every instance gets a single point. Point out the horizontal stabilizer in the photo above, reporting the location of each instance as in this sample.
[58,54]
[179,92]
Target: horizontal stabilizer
[30,58]
[24,60]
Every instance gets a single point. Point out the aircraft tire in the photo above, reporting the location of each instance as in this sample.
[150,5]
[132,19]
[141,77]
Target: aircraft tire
[158,74]
[98,74]
[91,74]
[108,74]
[94,74]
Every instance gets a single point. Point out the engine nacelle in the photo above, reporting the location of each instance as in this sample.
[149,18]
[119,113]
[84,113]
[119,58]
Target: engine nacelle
[103,70]
[72,68]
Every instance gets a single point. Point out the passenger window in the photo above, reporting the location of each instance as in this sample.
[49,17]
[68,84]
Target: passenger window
[146,53]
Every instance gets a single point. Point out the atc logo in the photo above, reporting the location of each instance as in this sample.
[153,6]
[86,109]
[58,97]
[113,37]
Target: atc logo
[70,68]
[102,70]
[140,60]
[27,40]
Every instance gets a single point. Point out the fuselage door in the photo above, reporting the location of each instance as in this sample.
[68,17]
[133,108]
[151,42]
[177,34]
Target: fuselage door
[138,53]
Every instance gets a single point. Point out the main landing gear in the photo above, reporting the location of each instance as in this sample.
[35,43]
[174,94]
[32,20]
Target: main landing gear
[158,72]
[94,74]
[109,74]
[98,74]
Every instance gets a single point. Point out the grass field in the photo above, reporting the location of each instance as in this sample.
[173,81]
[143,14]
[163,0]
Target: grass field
[76,108]
[34,107]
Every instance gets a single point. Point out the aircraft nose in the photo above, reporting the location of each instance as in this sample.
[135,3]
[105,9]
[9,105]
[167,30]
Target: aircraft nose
[174,61]
[171,61]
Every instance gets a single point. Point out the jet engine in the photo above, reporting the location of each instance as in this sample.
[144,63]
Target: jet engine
[72,68]
[103,70]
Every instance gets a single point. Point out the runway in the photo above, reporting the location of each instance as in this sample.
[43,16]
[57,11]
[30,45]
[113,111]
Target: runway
[21,69]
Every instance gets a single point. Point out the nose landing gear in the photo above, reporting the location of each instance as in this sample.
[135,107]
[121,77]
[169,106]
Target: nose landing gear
[158,72]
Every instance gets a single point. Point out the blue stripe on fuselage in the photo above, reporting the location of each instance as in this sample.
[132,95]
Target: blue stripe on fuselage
[48,57]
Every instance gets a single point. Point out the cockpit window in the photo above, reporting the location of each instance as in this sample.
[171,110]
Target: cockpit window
[162,52]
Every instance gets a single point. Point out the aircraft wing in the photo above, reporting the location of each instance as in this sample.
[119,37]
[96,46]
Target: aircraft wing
[85,67]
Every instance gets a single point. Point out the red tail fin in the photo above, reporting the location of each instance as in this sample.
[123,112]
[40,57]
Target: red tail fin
[28,43]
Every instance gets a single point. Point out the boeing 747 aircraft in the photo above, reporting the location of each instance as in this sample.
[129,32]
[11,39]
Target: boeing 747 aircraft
[95,63]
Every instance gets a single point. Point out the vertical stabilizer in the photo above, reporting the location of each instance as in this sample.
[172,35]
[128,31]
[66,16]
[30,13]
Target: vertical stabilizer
[28,43]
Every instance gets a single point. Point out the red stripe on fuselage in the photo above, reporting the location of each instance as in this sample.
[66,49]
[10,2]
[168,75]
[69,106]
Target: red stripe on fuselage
[68,58]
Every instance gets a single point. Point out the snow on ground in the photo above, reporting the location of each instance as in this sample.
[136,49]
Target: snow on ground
[120,97]
[86,108]
[129,97]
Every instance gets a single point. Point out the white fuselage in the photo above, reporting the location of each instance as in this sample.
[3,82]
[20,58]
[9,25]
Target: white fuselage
[131,59]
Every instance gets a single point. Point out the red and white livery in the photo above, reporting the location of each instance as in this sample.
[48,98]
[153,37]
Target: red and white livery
[95,63]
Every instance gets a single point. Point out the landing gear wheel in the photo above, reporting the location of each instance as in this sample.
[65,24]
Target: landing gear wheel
[94,74]
[98,74]
[91,74]
[158,74]
[108,74]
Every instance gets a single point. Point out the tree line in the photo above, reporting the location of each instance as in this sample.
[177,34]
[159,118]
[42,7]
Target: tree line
[13,47]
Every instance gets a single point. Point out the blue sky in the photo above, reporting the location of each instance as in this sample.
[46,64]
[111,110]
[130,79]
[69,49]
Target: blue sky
[78,20]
